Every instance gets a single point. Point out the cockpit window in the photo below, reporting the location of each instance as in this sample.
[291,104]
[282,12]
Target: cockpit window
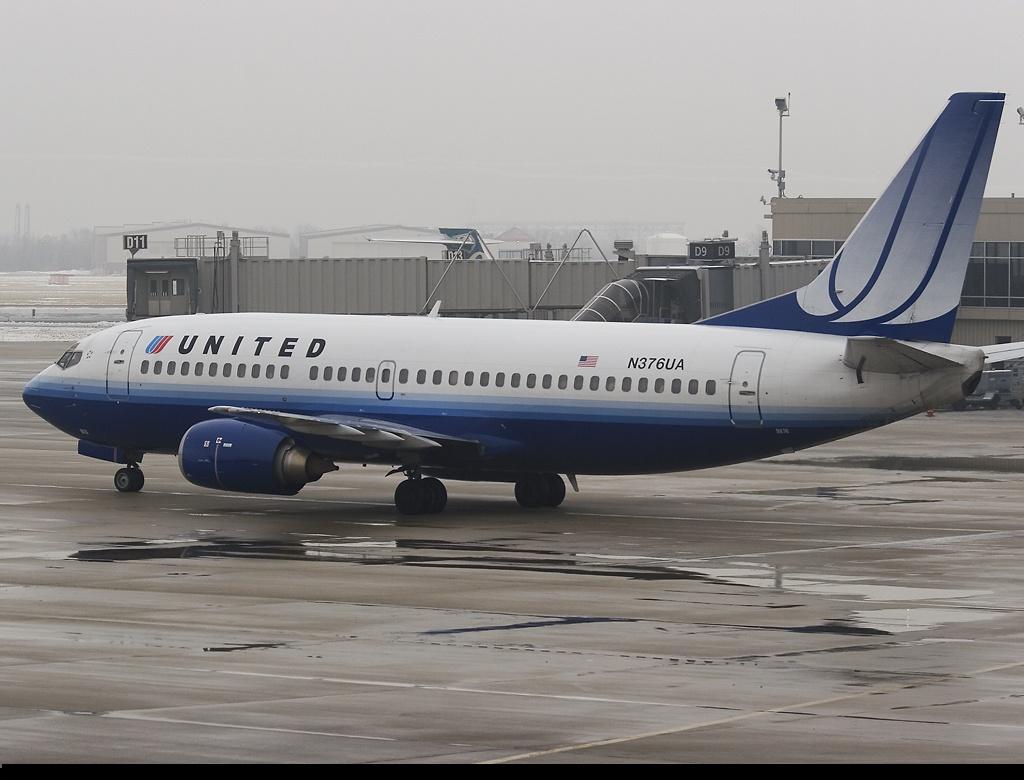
[69,358]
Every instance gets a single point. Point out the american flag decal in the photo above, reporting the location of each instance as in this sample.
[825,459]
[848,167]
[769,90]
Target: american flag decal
[587,361]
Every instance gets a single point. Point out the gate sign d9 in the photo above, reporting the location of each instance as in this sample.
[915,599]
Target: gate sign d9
[712,250]
[133,243]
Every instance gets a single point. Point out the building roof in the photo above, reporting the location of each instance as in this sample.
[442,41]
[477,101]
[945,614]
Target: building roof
[142,227]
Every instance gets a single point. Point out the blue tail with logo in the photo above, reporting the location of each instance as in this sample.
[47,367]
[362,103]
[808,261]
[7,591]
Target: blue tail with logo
[901,271]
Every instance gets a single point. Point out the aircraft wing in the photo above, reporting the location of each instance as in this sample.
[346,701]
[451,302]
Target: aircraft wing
[887,356]
[995,353]
[370,433]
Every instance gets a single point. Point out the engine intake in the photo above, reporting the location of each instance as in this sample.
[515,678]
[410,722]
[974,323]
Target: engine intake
[240,456]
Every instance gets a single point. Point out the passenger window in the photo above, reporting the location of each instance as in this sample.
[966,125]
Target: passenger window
[255,373]
[313,372]
[240,372]
[485,378]
[709,387]
[641,385]
[213,369]
[595,382]
[385,375]
[199,369]
[437,377]
[609,383]
[546,382]
[270,371]
[421,376]
[370,374]
[693,387]
[184,368]
[285,370]
[328,373]
[144,368]
[627,384]
[158,367]
[469,379]
[356,373]
[341,373]
[170,368]
[677,386]
[403,376]
[514,381]
[453,377]
[226,370]
[659,385]
[577,383]
[563,382]
[531,381]
[499,379]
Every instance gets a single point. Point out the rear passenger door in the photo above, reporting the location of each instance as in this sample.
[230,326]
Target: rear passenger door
[745,389]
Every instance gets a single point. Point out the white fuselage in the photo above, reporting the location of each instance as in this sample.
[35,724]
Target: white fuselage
[574,397]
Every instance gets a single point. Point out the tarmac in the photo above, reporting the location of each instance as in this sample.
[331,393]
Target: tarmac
[861,601]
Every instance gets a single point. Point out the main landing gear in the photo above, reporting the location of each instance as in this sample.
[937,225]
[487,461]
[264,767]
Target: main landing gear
[129,479]
[420,496]
[539,490]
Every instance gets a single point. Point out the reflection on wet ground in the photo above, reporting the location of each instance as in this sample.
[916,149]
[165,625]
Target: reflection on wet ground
[917,463]
[511,554]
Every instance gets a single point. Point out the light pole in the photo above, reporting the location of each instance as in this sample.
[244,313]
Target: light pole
[779,174]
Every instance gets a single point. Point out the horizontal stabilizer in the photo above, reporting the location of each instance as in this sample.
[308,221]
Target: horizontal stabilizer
[995,353]
[886,356]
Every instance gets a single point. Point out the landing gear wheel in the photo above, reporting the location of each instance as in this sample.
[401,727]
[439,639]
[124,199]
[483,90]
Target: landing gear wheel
[129,480]
[436,496]
[555,490]
[539,490]
[531,492]
[420,496]
[407,497]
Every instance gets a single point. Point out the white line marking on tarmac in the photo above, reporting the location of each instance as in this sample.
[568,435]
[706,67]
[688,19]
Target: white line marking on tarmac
[876,690]
[155,719]
[424,687]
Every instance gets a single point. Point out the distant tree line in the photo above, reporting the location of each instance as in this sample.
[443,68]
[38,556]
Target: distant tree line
[46,253]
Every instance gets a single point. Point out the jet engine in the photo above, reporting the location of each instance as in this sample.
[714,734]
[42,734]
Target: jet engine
[239,456]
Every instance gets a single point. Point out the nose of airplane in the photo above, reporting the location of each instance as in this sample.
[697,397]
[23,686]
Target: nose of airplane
[34,395]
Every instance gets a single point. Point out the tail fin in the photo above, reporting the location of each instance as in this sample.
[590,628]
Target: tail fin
[901,271]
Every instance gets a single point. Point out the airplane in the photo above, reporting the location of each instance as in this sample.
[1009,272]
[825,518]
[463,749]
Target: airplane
[267,403]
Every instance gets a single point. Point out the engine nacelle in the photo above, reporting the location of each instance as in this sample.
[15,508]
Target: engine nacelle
[239,456]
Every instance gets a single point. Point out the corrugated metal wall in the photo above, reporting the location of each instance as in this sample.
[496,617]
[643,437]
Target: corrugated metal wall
[785,276]
[400,285]
[981,332]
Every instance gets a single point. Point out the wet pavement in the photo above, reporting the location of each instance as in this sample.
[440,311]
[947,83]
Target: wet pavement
[863,601]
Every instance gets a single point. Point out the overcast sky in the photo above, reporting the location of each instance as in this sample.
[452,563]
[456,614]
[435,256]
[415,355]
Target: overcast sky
[458,112]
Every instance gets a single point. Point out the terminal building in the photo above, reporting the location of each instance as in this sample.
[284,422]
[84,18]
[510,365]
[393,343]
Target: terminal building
[992,304]
[396,269]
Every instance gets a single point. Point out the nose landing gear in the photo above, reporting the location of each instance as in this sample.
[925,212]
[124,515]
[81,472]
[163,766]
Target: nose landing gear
[130,479]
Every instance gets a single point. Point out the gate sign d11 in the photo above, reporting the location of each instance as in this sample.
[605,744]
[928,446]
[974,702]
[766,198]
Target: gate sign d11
[712,250]
[133,243]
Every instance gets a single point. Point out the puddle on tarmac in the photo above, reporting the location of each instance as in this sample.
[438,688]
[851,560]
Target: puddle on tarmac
[408,552]
[899,621]
[1011,465]
[513,557]
[840,493]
